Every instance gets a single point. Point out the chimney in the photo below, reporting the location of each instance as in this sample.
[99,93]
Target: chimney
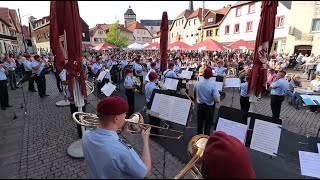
[190,6]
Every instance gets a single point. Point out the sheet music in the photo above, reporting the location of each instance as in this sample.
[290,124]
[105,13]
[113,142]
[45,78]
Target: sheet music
[171,83]
[212,79]
[147,77]
[102,75]
[266,137]
[219,85]
[155,102]
[232,82]
[232,128]
[186,74]
[171,108]
[309,164]
[108,89]
[318,145]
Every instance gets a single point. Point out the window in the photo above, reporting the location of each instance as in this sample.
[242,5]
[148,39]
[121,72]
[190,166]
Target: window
[138,38]
[171,35]
[249,27]
[151,28]
[251,9]
[176,23]
[210,20]
[182,22]
[137,31]
[217,32]
[238,12]
[83,35]
[317,2]
[236,28]
[144,32]
[209,33]
[315,25]
[227,30]
[194,22]
[279,22]
[189,23]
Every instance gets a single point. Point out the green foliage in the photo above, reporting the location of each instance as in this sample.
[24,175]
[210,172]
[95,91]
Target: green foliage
[116,37]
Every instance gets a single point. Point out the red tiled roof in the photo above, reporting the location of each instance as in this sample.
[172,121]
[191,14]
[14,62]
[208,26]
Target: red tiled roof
[223,11]
[25,31]
[198,13]
[186,13]
[14,18]
[136,25]
[4,14]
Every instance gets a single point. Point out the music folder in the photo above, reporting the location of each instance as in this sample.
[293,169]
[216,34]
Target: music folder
[171,83]
[186,74]
[108,89]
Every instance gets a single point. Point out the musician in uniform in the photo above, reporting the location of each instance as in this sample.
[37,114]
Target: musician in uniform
[96,68]
[28,70]
[206,95]
[129,91]
[106,155]
[225,157]
[138,72]
[37,66]
[110,64]
[177,66]
[170,72]
[150,86]
[220,71]
[278,93]
[244,95]
[4,97]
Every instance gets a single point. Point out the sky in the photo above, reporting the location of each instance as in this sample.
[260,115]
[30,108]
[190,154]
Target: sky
[99,12]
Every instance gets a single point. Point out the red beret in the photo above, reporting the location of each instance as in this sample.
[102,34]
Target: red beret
[207,72]
[128,71]
[171,64]
[227,158]
[98,59]
[153,75]
[27,56]
[36,56]
[113,105]
[112,56]
[153,64]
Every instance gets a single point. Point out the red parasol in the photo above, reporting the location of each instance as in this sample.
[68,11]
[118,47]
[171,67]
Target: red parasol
[264,40]
[54,40]
[179,45]
[164,41]
[241,44]
[208,45]
[151,46]
[70,42]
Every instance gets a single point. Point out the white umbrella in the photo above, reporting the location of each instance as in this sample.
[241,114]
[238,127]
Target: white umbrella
[136,46]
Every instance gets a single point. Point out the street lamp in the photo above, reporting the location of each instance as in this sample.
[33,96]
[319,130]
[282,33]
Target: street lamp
[23,38]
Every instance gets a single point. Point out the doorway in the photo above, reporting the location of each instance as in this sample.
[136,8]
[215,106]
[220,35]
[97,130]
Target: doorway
[304,49]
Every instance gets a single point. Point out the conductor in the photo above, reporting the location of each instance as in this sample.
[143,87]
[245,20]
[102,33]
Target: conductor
[106,155]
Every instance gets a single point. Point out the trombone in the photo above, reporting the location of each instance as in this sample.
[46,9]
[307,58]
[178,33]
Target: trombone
[196,148]
[134,125]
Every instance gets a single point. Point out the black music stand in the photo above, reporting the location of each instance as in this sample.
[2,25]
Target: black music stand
[25,78]
[115,72]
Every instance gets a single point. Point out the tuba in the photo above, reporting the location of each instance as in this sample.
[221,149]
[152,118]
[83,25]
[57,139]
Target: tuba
[196,148]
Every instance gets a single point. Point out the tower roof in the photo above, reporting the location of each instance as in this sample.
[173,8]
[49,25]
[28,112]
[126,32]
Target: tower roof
[129,11]
[190,6]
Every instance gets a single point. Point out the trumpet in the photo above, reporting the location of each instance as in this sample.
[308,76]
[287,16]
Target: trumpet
[196,148]
[134,125]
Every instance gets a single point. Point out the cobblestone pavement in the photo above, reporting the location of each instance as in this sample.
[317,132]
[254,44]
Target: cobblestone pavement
[34,145]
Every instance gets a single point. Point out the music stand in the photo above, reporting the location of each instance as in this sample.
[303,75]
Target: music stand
[150,112]
[24,79]
[115,72]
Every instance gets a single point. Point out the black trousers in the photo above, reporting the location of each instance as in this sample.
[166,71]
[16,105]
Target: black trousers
[58,81]
[309,72]
[31,81]
[130,98]
[244,103]
[73,109]
[276,102]
[41,84]
[204,118]
[141,80]
[4,97]
[101,84]
[12,79]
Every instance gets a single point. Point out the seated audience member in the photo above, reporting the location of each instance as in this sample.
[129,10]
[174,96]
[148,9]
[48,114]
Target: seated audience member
[294,83]
[225,157]
[315,86]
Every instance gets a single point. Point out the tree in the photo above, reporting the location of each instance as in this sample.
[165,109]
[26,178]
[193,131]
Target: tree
[116,37]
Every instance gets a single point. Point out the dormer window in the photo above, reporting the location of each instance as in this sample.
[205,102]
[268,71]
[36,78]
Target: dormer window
[210,20]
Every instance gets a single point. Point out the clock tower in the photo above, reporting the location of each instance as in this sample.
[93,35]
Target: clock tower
[129,17]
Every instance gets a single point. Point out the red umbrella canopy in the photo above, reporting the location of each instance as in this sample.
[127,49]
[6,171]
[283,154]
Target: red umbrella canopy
[241,44]
[87,46]
[54,40]
[179,45]
[70,41]
[264,40]
[104,46]
[154,45]
[164,41]
[209,45]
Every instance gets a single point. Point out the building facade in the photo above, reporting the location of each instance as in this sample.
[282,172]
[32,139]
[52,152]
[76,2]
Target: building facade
[212,21]
[243,19]
[6,37]
[304,30]
[153,25]
[177,26]
[140,33]
[129,17]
